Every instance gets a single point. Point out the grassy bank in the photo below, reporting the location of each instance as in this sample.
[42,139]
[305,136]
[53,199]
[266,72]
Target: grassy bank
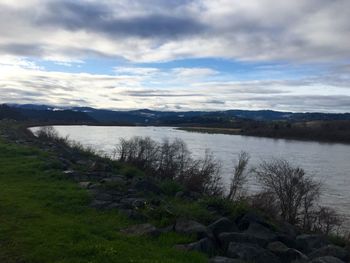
[45,218]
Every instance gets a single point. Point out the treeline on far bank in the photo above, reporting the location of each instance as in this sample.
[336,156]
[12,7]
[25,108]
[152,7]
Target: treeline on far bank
[323,130]
[332,131]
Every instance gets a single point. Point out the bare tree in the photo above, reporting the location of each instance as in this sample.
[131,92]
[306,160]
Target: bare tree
[239,177]
[326,220]
[172,160]
[48,132]
[295,193]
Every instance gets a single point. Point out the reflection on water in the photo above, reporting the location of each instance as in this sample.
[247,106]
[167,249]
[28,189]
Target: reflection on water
[329,162]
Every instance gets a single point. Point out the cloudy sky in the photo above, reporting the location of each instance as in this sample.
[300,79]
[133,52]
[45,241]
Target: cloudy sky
[177,54]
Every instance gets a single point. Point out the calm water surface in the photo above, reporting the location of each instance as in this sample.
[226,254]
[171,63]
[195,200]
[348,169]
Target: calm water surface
[328,162]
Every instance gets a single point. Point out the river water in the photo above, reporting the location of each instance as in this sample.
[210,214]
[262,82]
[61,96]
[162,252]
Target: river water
[327,162]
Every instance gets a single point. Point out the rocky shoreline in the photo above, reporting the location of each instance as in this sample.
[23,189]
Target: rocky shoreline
[249,237]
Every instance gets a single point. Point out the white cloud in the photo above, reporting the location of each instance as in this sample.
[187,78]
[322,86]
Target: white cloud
[66,32]
[193,72]
[22,84]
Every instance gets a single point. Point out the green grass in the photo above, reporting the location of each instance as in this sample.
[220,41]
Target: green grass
[45,218]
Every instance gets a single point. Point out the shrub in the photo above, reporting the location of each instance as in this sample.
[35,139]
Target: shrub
[293,196]
[294,192]
[325,220]
[171,160]
[265,202]
[48,133]
[171,187]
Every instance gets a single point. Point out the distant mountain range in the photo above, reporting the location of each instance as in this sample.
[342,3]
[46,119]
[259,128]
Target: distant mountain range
[47,113]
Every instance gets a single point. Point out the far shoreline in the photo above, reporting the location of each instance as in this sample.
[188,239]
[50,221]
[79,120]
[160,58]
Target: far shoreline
[195,129]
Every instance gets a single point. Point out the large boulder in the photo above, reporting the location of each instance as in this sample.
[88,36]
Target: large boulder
[251,253]
[290,241]
[85,185]
[204,245]
[261,232]
[133,203]
[219,259]
[222,225]
[287,229]
[100,204]
[308,243]
[226,238]
[190,227]
[245,220]
[326,259]
[330,250]
[285,253]
[104,197]
[141,230]
[115,179]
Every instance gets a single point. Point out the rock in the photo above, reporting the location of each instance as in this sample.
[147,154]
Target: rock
[69,172]
[84,185]
[276,246]
[132,214]
[141,230]
[84,163]
[115,205]
[99,204]
[285,253]
[251,253]
[96,176]
[113,179]
[330,250]
[147,186]
[114,192]
[224,260]
[100,166]
[288,229]
[288,240]
[167,229]
[308,243]
[261,232]
[187,195]
[204,245]
[65,163]
[155,202]
[222,225]
[131,191]
[226,238]
[139,203]
[94,186]
[104,197]
[191,227]
[133,202]
[251,217]
[326,259]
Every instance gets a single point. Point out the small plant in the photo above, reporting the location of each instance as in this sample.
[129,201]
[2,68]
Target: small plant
[170,187]
[239,177]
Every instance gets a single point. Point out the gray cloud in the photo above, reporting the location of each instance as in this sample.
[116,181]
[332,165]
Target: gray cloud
[158,93]
[101,18]
[164,30]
